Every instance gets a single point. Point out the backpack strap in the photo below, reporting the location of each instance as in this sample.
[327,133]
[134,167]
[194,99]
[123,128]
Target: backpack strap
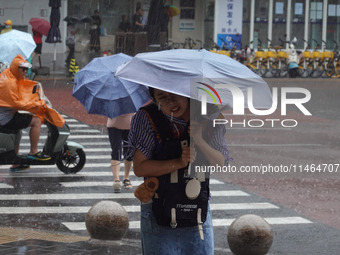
[162,127]
[159,122]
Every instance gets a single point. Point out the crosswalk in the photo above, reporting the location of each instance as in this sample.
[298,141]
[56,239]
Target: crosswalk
[45,192]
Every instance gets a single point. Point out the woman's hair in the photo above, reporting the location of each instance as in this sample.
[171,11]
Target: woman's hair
[152,94]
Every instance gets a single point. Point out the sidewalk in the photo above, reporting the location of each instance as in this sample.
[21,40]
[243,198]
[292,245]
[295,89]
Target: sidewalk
[14,241]
[58,67]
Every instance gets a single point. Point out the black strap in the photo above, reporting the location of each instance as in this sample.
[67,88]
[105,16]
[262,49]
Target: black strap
[160,122]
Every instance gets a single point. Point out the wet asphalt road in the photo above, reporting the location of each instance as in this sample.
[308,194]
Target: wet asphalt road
[308,202]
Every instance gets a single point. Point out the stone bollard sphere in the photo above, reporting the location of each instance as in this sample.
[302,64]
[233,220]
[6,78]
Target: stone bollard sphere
[107,220]
[250,235]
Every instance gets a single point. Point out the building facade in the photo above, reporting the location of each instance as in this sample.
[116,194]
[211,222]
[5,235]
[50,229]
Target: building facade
[313,21]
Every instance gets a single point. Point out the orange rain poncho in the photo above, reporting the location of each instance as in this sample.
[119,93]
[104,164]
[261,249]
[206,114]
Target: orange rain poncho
[16,93]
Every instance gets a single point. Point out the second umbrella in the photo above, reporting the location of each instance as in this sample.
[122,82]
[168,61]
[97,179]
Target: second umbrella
[40,25]
[97,88]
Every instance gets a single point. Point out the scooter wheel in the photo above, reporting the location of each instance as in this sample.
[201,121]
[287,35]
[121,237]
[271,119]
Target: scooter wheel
[71,163]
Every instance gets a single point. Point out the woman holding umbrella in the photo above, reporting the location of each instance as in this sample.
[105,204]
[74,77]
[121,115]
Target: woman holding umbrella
[40,27]
[167,156]
[37,37]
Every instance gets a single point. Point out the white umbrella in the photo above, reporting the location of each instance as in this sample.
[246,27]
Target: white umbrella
[182,71]
[15,42]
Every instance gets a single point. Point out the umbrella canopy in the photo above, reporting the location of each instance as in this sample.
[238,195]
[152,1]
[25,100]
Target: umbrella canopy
[15,42]
[172,10]
[53,35]
[40,25]
[77,19]
[97,88]
[181,71]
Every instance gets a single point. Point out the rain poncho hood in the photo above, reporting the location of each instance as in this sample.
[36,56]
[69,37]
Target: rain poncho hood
[16,93]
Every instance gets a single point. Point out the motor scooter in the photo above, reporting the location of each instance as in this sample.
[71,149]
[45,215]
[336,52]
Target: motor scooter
[293,67]
[67,155]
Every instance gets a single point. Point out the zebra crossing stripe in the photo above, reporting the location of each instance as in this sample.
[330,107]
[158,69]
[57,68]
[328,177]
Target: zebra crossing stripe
[87,150]
[128,208]
[70,120]
[5,186]
[107,157]
[109,183]
[88,196]
[86,131]
[80,226]
[78,126]
[27,145]
[74,137]
[270,220]
[30,174]
[83,172]
[242,206]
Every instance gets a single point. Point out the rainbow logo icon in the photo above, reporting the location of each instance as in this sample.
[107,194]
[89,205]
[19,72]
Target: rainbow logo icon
[209,93]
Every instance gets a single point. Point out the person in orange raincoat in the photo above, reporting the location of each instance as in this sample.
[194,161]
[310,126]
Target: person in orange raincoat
[16,94]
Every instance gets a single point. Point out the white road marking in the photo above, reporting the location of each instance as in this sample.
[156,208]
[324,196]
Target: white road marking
[82,143]
[56,209]
[274,145]
[75,137]
[128,208]
[80,226]
[109,183]
[70,120]
[87,150]
[270,220]
[29,172]
[242,206]
[5,186]
[78,126]
[87,196]
[85,131]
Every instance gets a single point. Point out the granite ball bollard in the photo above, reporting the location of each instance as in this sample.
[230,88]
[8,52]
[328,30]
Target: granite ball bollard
[250,235]
[107,220]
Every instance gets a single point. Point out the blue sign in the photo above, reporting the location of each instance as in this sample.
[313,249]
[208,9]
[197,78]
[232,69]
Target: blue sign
[229,40]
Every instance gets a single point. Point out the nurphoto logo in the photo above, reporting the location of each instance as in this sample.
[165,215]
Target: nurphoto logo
[244,97]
